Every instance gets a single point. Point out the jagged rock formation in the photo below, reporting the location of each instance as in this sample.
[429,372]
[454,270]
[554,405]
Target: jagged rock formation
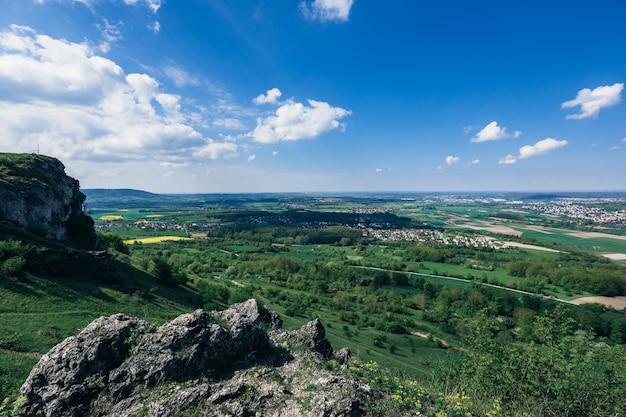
[36,193]
[237,362]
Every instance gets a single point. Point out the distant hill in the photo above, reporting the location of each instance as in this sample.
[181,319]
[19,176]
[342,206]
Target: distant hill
[124,197]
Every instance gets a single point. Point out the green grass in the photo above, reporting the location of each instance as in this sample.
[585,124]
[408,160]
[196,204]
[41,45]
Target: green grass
[38,312]
[243,248]
[14,367]
[43,311]
[562,239]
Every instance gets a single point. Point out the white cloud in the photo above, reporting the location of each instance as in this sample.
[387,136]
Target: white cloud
[494,132]
[327,10]
[217,150]
[591,101]
[379,170]
[110,34]
[229,123]
[274,153]
[451,160]
[251,158]
[539,148]
[270,98]
[81,106]
[508,160]
[475,161]
[295,121]
[467,129]
[153,5]
[156,27]
[614,148]
[179,76]
[624,140]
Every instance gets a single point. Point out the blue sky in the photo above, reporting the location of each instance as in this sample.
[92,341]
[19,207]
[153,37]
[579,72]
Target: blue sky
[202,96]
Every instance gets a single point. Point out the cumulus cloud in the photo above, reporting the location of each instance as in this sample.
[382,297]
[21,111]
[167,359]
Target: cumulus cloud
[591,101]
[378,170]
[451,160]
[508,160]
[251,158]
[475,162]
[327,10]
[295,121]
[274,153]
[271,97]
[494,132]
[539,148]
[81,106]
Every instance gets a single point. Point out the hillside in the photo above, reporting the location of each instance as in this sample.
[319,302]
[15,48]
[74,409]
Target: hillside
[51,282]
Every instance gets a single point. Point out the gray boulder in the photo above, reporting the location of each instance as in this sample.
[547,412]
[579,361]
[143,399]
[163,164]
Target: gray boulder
[208,364]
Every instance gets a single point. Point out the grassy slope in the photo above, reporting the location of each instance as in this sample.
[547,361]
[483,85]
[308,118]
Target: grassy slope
[37,312]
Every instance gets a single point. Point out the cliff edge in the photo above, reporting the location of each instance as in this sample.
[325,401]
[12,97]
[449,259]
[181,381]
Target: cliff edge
[36,194]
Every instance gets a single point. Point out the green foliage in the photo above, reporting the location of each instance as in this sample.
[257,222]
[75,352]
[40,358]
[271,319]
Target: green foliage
[13,266]
[14,368]
[113,242]
[565,373]
[165,273]
[213,296]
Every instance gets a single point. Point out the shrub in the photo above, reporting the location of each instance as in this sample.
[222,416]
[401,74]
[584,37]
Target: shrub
[14,266]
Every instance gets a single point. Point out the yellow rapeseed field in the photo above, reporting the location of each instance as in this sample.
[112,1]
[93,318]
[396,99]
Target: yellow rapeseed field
[112,217]
[155,239]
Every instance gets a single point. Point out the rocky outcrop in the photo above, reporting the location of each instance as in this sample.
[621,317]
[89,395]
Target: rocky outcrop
[35,193]
[236,362]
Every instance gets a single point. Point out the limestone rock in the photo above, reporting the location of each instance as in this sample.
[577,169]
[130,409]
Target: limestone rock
[203,363]
[69,377]
[36,193]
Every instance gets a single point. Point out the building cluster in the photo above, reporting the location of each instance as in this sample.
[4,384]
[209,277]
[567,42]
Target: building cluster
[427,235]
[583,210]
[156,225]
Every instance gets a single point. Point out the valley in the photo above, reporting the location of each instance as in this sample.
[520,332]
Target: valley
[404,282]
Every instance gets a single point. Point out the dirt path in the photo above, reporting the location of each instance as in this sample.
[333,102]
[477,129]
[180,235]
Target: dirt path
[35,355]
[618,303]
[524,245]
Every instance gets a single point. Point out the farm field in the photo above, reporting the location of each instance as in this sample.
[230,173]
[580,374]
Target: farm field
[155,239]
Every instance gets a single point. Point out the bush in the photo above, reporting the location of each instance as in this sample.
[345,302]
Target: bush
[14,266]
